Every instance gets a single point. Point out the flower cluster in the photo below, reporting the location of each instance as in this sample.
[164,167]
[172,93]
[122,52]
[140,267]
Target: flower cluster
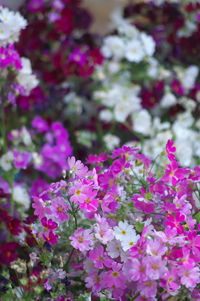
[136,227]
[155,97]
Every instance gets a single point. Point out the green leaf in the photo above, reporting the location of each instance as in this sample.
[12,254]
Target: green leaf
[139,226]
[197,217]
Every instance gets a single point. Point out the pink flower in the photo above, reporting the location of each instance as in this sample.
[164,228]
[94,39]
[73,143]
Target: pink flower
[169,235]
[40,207]
[99,257]
[81,239]
[59,209]
[156,267]
[89,203]
[189,275]
[114,278]
[94,281]
[77,167]
[171,278]
[136,270]
[148,288]
[103,231]
[156,248]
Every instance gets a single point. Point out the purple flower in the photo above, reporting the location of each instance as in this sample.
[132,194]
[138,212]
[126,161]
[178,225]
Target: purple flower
[35,5]
[40,124]
[38,187]
[9,57]
[21,159]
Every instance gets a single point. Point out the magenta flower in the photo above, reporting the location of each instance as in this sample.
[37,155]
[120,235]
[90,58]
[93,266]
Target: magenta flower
[35,5]
[21,159]
[9,57]
[51,238]
[79,192]
[38,187]
[169,235]
[81,239]
[175,221]
[77,56]
[48,223]
[89,203]
[99,257]
[40,124]
[59,209]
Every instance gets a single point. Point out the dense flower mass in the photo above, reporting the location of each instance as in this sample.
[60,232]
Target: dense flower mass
[136,227]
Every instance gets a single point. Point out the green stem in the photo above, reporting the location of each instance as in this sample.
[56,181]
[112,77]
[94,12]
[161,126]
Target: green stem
[73,213]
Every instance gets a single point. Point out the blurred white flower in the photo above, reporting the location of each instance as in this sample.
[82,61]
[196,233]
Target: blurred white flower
[11,23]
[113,46]
[111,141]
[25,77]
[134,51]
[21,196]
[168,100]
[6,161]
[142,122]
[148,43]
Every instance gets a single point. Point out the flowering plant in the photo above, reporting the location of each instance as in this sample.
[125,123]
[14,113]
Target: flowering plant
[125,229]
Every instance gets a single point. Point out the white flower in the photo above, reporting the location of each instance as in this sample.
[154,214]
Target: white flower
[128,29]
[21,196]
[148,43]
[11,23]
[183,120]
[142,122]
[111,141]
[25,136]
[153,147]
[188,77]
[121,112]
[134,51]
[115,250]
[168,100]
[25,77]
[37,159]
[123,231]
[113,46]
[127,104]
[106,115]
[184,151]
[6,161]
[153,67]
[130,242]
